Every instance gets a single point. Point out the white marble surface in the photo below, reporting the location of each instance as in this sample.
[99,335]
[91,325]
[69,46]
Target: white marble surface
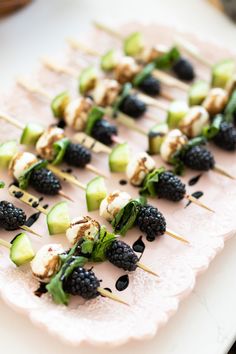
[206,320]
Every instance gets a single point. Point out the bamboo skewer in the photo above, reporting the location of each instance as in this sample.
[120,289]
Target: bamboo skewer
[111,296]
[146,269]
[176,236]
[5,243]
[66,177]
[218,169]
[197,202]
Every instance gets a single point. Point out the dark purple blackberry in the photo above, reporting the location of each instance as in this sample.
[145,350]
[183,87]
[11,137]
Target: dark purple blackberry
[199,158]
[151,86]
[122,256]
[45,182]
[77,155]
[11,218]
[170,187]
[82,282]
[103,131]
[151,221]
[133,106]
[226,137]
[183,69]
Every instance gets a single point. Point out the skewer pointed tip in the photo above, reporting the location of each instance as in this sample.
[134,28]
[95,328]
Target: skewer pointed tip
[147,269]
[176,236]
[111,296]
[28,229]
[223,172]
[62,194]
[197,202]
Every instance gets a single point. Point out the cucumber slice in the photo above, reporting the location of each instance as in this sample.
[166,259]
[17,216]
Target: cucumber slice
[222,73]
[31,134]
[59,104]
[109,60]
[87,79]
[119,158]
[7,151]
[230,110]
[95,192]
[21,251]
[177,110]
[198,92]
[134,44]
[155,138]
[58,219]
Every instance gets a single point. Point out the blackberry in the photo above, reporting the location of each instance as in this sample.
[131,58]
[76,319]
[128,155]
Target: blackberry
[11,218]
[77,155]
[133,106]
[226,137]
[151,221]
[122,256]
[183,69]
[151,86]
[199,158]
[45,182]
[82,282]
[170,187]
[103,131]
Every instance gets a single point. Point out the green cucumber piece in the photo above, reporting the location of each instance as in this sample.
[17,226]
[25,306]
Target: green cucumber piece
[109,60]
[2,184]
[155,138]
[31,134]
[177,110]
[95,192]
[58,219]
[87,79]
[134,44]
[95,114]
[59,104]
[222,73]
[7,151]
[230,110]
[21,251]
[119,158]
[198,92]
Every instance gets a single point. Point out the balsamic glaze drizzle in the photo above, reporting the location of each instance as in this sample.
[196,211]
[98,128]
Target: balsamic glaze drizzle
[197,195]
[139,245]
[194,180]
[122,282]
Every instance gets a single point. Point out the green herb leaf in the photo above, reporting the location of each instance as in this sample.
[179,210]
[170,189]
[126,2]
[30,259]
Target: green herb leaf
[2,184]
[126,217]
[87,246]
[213,129]
[95,114]
[24,178]
[167,60]
[150,181]
[230,110]
[102,244]
[146,71]
[125,92]
[59,148]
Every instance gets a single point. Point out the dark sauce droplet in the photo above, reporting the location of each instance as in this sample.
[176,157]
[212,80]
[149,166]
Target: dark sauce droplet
[194,180]
[32,219]
[139,246]
[123,182]
[35,204]
[41,199]
[122,282]
[41,290]
[197,195]
[61,124]
[108,289]
[18,194]
[45,206]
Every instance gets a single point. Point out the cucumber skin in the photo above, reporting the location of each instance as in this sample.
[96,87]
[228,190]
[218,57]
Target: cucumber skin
[222,81]
[116,165]
[94,203]
[5,160]
[156,137]
[51,223]
[20,260]
[26,139]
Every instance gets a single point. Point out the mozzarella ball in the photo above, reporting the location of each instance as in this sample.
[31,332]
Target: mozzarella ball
[126,69]
[216,101]
[76,113]
[20,163]
[80,227]
[138,167]
[47,261]
[194,121]
[151,53]
[173,141]
[106,92]
[113,203]
[44,145]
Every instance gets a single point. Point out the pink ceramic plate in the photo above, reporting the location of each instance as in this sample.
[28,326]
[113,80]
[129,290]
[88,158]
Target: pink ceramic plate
[152,302]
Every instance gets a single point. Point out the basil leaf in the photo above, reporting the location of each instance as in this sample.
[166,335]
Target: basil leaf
[87,246]
[150,181]
[2,184]
[167,60]
[126,217]
[213,129]
[146,71]
[102,244]
[24,178]
[230,110]
[59,148]
[95,114]
[125,92]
